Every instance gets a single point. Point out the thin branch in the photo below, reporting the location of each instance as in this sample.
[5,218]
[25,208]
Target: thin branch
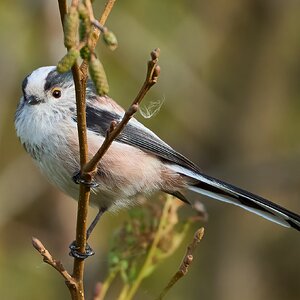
[107,9]
[115,129]
[89,7]
[101,288]
[63,8]
[56,264]
[186,262]
[80,79]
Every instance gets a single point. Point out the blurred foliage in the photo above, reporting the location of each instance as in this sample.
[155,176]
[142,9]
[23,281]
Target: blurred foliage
[230,85]
[150,235]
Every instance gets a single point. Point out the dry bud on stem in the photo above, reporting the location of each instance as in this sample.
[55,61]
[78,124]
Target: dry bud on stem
[186,262]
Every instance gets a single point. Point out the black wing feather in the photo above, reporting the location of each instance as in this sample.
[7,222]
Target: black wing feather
[99,120]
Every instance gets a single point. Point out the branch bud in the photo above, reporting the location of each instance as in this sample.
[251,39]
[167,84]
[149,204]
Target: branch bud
[110,39]
[155,53]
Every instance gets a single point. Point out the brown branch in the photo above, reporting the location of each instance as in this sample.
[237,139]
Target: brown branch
[84,194]
[63,9]
[186,262]
[107,9]
[115,129]
[56,264]
[80,79]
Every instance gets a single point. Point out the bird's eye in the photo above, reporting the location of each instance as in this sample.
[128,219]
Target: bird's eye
[56,93]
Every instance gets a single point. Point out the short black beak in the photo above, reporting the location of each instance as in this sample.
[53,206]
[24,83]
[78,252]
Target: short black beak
[32,100]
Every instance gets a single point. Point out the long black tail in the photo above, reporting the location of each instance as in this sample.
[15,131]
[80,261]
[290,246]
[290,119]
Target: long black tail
[225,192]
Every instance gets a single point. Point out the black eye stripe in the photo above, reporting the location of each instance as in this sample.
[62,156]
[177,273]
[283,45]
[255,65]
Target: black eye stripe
[55,79]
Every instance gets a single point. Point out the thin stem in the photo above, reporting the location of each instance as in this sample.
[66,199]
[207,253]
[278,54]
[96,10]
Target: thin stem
[56,264]
[63,8]
[80,80]
[124,291]
[106,284]
[107,9]
[151,253]
[80,87]
[186,262]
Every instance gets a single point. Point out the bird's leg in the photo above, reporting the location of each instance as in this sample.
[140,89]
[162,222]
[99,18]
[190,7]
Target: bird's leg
[101,211]
[88,250]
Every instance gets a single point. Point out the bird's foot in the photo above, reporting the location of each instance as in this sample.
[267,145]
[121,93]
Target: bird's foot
[77,254]
[78,179]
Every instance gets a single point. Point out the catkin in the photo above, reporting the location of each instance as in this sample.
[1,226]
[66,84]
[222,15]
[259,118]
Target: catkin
[98,75]
[66,63]
[85,25]
[71,22]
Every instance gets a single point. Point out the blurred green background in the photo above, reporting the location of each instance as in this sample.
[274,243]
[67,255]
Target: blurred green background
[230,83]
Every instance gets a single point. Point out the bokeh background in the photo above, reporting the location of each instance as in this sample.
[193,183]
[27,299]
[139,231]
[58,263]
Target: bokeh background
[230,83]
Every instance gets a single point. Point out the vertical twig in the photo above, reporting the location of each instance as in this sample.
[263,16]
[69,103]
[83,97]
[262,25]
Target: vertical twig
[84,193]
[63,9]
[78,292]
[80,80]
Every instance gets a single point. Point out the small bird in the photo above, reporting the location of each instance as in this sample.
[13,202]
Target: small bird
[138,161]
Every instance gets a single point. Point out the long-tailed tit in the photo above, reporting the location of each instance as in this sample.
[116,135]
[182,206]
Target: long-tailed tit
[138,162]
